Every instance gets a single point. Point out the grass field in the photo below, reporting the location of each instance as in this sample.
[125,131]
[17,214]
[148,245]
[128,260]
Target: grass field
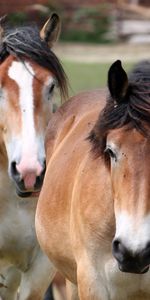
[87,76]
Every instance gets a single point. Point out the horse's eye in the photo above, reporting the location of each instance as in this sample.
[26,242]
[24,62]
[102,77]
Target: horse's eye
[109,152]
[51,88]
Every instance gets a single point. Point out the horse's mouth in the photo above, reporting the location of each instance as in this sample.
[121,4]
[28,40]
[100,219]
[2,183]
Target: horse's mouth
[24,193]
[133,270]
[27,194]
[25,187]
[145,270]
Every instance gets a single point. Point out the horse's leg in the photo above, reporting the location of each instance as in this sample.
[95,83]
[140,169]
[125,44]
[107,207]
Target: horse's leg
[36,280]
[91,285]
[59,285]
[49,293]
[72,291]
[9,281]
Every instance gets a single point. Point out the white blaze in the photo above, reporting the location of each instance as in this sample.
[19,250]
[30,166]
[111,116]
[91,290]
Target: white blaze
[23,76]
[24,79]
[133,231]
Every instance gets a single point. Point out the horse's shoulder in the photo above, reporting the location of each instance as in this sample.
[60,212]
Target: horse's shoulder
[70,112]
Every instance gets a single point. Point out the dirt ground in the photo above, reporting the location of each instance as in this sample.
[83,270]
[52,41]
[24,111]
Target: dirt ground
[86,53]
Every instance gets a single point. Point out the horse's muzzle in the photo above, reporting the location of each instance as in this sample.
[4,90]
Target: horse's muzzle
[21,189]
[137,263]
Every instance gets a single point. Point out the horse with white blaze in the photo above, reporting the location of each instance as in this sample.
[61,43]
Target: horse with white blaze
[29,73]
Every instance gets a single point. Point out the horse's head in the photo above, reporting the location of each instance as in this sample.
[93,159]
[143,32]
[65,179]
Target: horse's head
[29,72]
[122,137]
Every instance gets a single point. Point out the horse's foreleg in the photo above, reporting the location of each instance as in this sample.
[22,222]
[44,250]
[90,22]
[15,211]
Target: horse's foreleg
[91,285]
[59,286]
[72,291]
[36,280]
[9,283]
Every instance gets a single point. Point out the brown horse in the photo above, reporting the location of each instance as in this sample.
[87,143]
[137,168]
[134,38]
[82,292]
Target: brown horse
[93,214]
[29,73]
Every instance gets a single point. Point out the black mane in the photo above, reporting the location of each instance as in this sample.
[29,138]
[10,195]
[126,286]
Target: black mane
[133,110]
[26,42]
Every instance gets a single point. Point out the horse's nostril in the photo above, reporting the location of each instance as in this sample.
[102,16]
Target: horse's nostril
[44,167]
[14,171]
[116,245]
[148,246]
[146,252]
[119,250]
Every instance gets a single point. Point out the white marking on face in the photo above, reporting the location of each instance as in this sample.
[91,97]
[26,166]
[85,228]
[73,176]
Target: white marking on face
[134,233]
[24,79]
[24,75]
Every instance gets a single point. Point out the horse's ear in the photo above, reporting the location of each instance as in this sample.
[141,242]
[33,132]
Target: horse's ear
[2,23]
[51,30]
[117,81]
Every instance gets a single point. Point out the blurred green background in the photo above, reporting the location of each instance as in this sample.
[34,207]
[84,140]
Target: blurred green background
[86,76]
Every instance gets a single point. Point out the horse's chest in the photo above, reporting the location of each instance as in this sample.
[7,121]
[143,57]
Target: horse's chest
[125,286]
[17,235]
